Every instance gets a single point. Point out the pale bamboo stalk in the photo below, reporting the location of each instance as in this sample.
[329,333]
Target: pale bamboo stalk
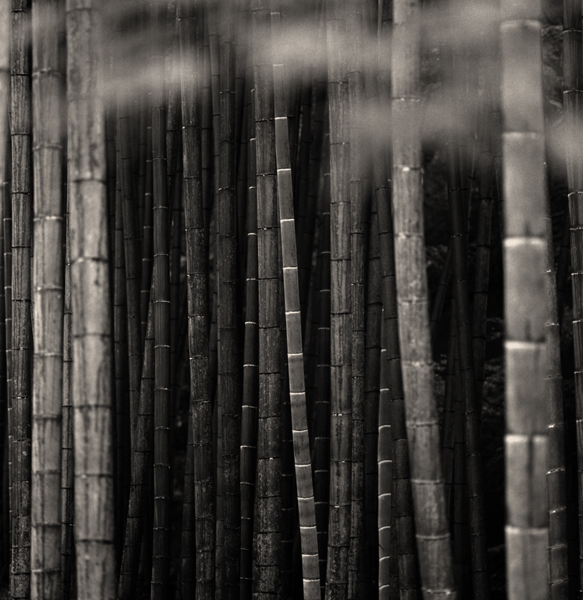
[91,324]
[147,237]
[267,522]
[295,354]
[340,306]
[555,475]
[432,534]
[526,441]
[48,288]
[20,131]
[200,421]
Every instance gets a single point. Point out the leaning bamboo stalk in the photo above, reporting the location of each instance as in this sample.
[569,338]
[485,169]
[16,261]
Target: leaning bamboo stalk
[91,325]
[21,130]
[48,298]
[555,475]
[295,354]
[525,250]
[200,420]
[161,300]
[228,376]
[267,522]
[340,307]
[432,534]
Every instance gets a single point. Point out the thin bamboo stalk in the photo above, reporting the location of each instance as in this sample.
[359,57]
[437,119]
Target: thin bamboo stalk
[295,354]
[161,300]
[91,322]
[200,410]
[48,288]
[20,131]
[250,372]
[433,540]
[526,440]
[556,482]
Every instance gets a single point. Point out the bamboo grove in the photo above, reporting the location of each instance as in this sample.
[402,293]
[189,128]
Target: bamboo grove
[291,299]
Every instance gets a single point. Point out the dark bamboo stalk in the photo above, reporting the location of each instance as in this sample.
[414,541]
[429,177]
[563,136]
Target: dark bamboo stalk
[21,130]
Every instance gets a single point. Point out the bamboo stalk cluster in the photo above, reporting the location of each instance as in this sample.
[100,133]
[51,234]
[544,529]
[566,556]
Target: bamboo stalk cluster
[217,360]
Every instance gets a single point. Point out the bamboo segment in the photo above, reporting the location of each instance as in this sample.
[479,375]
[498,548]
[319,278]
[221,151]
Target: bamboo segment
[21,129]
[573,107]
[340,307]
[48,288]
[267,523]
[525,307]
[295,355]
[433,540]
[200,409]
[91,325]
[228,382]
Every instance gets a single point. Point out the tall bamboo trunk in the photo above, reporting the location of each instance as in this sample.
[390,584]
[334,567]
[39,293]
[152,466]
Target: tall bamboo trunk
[340,307]
[48,297]
[21,130]
[91,325]
[524,298]
[200,419]
[432,532]
[267,522]
[293,321]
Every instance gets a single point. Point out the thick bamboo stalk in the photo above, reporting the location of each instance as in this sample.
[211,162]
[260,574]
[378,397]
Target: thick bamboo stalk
[48,288]
[21,130]
[250,372]
[91,324]
[161,301]
[340,307]
[267,522]
[147,237]
[198,314]
[526,441]
[228,373]
[433,540]
[295,355]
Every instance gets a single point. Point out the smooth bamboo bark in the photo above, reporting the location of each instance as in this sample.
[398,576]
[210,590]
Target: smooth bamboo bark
[433,540]
[48,286]
[91,324]
[200,420]
[21,130]
[526,442]
[295,354]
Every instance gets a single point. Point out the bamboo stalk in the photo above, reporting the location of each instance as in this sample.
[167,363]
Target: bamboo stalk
[526,439]
[433,540]
[91,324]
[267,522]
[21,130]
[48,288]
[295,354]
[198,313]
